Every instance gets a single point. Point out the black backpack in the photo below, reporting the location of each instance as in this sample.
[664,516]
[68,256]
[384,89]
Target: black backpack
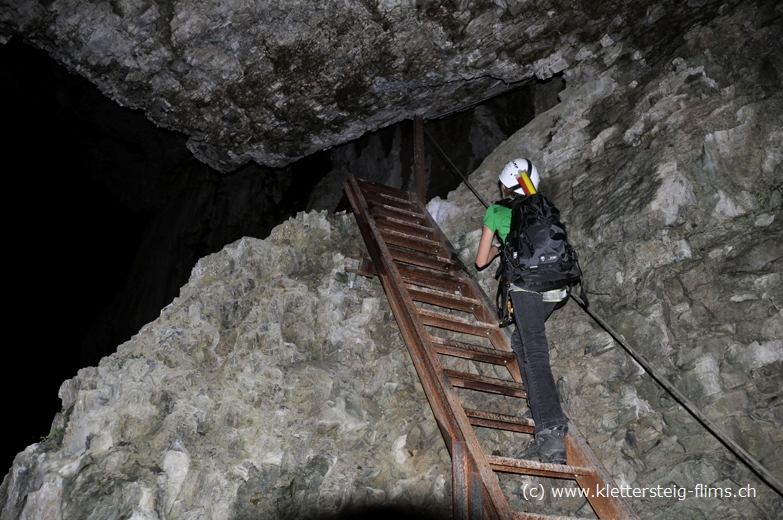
[536,255]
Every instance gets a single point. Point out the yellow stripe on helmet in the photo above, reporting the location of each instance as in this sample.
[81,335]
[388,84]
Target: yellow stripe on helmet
[526,183]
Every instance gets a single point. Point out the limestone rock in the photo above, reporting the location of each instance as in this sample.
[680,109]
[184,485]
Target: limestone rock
[273,81]
[668,175]
[274,386]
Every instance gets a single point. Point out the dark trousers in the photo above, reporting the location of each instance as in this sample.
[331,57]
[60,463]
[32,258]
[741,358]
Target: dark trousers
[532,349]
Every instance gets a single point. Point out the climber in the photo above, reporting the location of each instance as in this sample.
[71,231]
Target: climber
[518,181]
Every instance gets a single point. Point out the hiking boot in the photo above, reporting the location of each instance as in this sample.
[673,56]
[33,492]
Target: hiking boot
[547,446]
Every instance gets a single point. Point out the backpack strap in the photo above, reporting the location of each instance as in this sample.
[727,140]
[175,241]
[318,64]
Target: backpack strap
[503,296]
[506,203]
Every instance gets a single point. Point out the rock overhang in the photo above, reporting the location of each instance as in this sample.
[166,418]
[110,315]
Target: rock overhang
[273,81]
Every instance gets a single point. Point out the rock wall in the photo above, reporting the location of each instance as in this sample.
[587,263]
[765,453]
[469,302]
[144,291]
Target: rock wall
[273,81]
[274,386]
[277,387]
[669,175]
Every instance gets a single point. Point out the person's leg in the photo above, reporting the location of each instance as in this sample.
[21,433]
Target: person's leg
[516,346]
[530,344]
[530,312]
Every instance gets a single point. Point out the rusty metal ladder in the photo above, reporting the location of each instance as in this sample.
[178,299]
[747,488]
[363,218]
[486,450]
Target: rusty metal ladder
[417,264]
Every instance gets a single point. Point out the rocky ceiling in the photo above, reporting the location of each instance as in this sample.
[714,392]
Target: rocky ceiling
[271,81]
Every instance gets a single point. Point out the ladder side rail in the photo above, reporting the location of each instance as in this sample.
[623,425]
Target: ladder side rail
[467,488]
[427,375]
[580,454]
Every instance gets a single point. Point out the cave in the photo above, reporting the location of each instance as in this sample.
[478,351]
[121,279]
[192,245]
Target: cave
[105,233]
[148,139]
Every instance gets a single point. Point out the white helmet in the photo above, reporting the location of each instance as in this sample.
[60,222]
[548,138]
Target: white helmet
[509,177]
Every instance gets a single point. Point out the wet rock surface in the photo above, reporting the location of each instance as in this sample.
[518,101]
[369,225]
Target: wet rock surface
[275,81]
[669,175]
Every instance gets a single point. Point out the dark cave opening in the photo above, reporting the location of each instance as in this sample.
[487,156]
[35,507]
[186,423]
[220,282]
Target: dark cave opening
[109,214]
[70,240]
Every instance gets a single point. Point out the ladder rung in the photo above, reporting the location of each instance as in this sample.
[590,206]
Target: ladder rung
[459,298]
[517,515]
[456,324]
[383,211]
[485,384]
[424,245]
[500,421]
[390,200]
[410,213]
[382,188]
[420,259]
[540,469]
[434,245]
[418,233]
[468,351]
[405,227]
[366,268]
[442,299]
[429,278]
